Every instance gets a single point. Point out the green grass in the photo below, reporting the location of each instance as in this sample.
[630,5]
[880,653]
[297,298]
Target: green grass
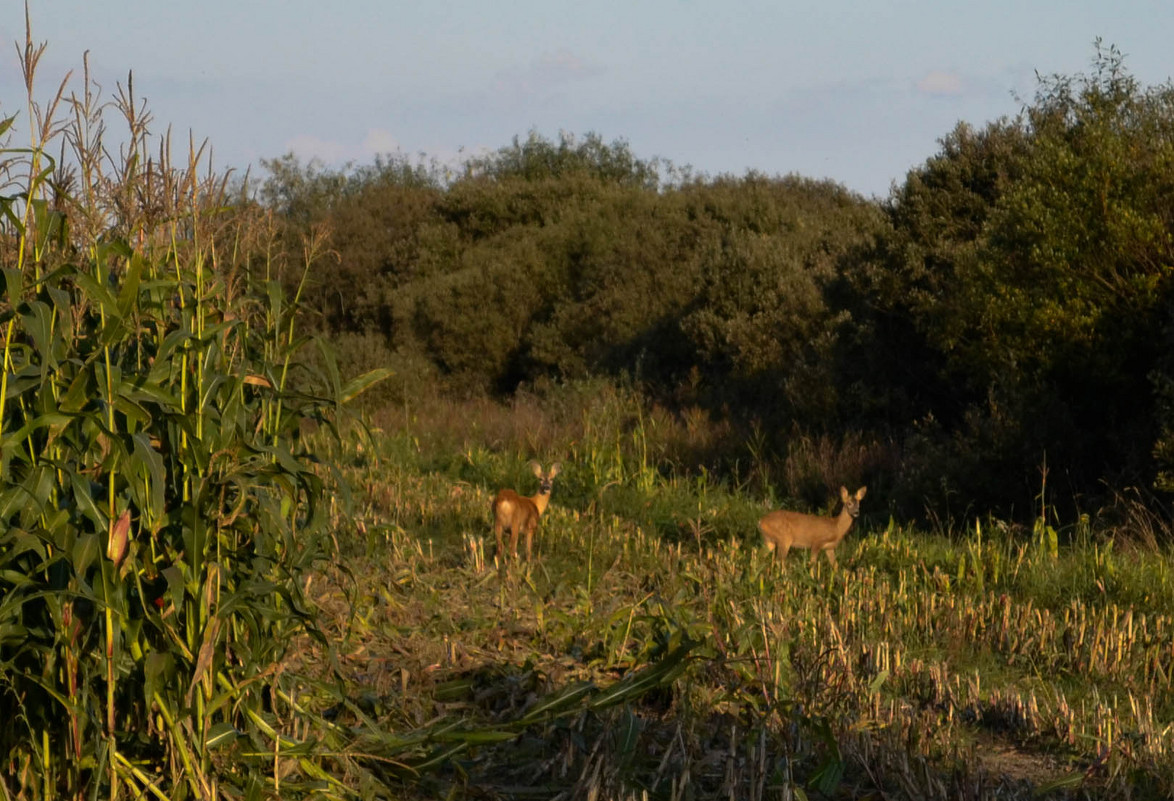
[972,655]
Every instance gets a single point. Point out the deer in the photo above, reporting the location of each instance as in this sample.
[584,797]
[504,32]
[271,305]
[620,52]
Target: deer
[519,514]
[783,530]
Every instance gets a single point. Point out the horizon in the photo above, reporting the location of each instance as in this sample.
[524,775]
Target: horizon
[854,95]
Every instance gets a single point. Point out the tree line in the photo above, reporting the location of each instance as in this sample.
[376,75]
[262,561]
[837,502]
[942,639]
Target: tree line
[1003,316]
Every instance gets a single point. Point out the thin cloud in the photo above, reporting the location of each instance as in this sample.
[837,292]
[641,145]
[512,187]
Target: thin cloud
[941,84]
[562,66]
[377,141]
[545,74]
[307,146]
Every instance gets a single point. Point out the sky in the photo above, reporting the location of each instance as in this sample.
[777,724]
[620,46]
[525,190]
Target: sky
[856,92]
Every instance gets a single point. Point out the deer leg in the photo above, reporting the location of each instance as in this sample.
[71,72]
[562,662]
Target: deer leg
[780,549]
[831,554]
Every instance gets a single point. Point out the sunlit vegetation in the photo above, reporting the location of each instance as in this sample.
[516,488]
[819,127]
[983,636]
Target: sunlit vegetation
[157,503]
[995,663]
[1006,309]
[250,435]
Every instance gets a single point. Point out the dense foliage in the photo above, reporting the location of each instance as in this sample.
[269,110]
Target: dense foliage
[1001,321]
[158,508]
[1031,265]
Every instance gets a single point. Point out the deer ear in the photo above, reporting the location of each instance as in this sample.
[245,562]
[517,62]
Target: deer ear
[555,469]
[537,468]
[860,493]
[843,494]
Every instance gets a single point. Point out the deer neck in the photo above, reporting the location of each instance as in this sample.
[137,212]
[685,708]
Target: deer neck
[844,524]
[540,501]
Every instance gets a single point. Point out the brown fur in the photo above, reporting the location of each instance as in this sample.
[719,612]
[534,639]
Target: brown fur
[785,530]
[519,514]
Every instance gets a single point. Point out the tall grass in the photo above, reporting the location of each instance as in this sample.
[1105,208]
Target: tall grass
[993,662]
[157,505]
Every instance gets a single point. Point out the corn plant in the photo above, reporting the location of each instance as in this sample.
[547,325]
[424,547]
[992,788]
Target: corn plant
[157,506]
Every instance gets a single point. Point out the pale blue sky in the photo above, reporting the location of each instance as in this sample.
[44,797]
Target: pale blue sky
[854,91]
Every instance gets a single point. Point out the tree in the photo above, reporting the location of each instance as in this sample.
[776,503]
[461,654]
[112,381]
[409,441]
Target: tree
[1034,262]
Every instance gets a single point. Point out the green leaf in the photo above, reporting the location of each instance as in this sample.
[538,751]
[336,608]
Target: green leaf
[220,735]
[150,458]
[50,224]
[130,285]
[86,550]
[553,703]
[51,420]
[13,634]
[17,542]
[629,734]
[85,501]
[6,207]
[360,384]
[158,673]
[276,295]
[175,584]
[97,293]
[476,736]
[135,413]
[1071,781]
[79,393]
[331,363]
[454,690]
[439,757]
[637,683]
[14,283]
[152,391]
[37,319]
[828,775]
